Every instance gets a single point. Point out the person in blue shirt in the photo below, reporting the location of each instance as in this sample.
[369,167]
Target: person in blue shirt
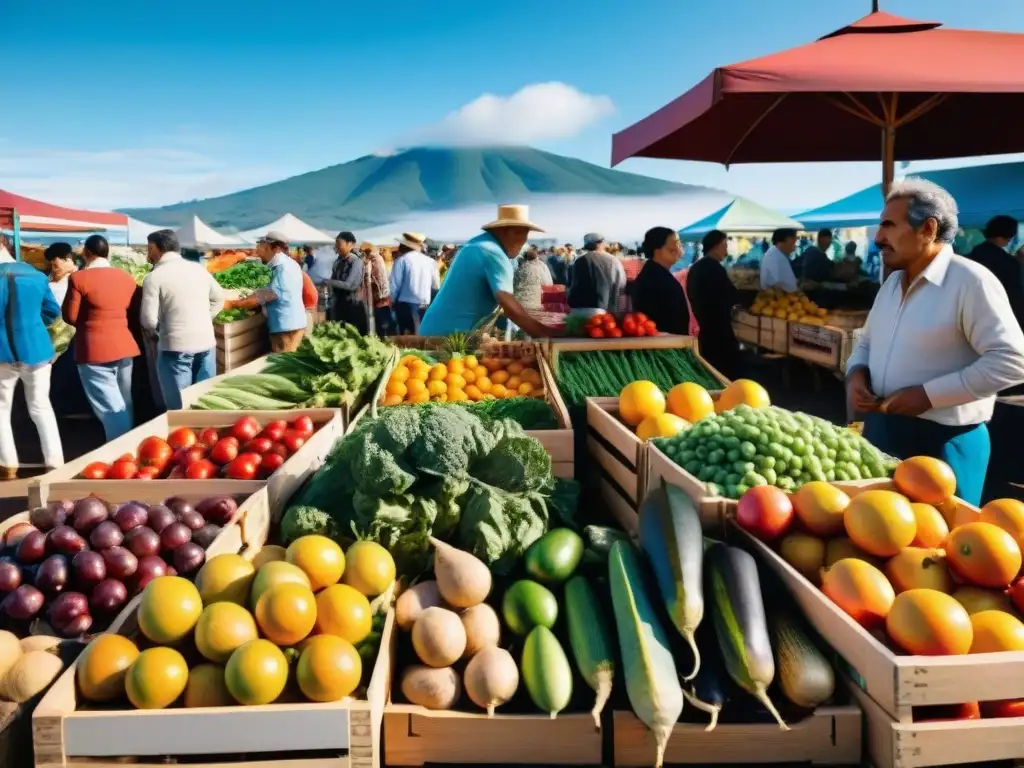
[282,299]
[414,278]
[27,309]
[480,280]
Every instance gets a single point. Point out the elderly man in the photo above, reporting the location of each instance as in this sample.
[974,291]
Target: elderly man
[414,278]
[776,268]
[480,280]
[597,278]
[939,343]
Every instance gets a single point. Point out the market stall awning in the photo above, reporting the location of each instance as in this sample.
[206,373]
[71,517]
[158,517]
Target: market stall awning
[741,216]
[297,231]
[980,191]
[942,92]
[37,216]
[198,234]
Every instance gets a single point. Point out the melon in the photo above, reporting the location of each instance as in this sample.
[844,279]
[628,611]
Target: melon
[227,578]
[983,554]
[925,622]
[919,568]
[925,479]
[860,590]
[932,528]
[103,666]
[996,631]
[820,507]
[880,522]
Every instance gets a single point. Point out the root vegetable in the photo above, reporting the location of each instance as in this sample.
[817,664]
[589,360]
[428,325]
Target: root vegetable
[10,652]
[491,678]
[431,688]
[39,643]
[462,579]
[30,675]
[483,629]
[416,600]
[438,637]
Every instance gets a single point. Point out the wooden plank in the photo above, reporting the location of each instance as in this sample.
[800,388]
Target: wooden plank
[619,473]
[829,736]
[818,344]
[230,361]
[239,327]
[624,512]
[603,419]
[240,341]
[712,509]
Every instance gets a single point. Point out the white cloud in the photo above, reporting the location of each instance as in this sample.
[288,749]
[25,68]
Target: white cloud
[536,113]
[121,178]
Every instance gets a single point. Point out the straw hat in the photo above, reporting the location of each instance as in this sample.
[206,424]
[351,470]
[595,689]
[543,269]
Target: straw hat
[513,216]
[412,240]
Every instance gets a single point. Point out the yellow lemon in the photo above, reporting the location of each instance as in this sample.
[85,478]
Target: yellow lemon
[743,392]
[455,381]
[438,372]
[435,387]
[665,425]
[690,401]
[470,361]
[640,400]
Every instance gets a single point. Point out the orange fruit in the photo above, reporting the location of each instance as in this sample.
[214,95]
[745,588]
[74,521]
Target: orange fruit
[103,666]
[221,629]
[225,577]
[401,373]
[329,668]
[419,370]
[640,400]
[742,392]
[880,522]
[455,381]
[531,375]
[689,401]
[483,383]
[976,599]
[468,375]
[419,398]
[820,507]
[1008,514]
[320,559]
[343,611]
[931,526]
[286,613]
[491,364]
[157,678]
[473,392]
[416,387]
[393,400]
[996,631]
[370,569]
[498,390]
[526,389]
[436,387]
[983,554]
[397,388]
[438,372]
[924,479]
[665,425]
[500,377]
[206,687]
[169,609]
[455,365]
[929,623]
[513,383]
[470,361]
[510,393]
[408,360]
[514,369]
[860,590]
[457,396]
[256,673]
[273,573]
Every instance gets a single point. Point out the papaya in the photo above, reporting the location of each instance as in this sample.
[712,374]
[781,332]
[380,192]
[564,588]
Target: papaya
[932,529]
[996,631]
[860,590]
[1008,514]
[924,479]
[919,568]
[880,522]
[820,507]
[983,554]
[926,622]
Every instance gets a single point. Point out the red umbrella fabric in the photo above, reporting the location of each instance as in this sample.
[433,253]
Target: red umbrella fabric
[37,216]
[848,96]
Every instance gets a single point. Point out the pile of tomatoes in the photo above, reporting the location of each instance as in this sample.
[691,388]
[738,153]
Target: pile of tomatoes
[243,451]
[634,324]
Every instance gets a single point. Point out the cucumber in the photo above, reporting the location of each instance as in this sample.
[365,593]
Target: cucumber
[652,682]
[591,640]
[672,538]
[554,557]
[599,539]
[805,675]
[546,671]
[709,690]
[528,604]
[740,624]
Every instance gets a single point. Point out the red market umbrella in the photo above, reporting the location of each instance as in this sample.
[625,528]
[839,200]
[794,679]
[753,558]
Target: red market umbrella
[884,85]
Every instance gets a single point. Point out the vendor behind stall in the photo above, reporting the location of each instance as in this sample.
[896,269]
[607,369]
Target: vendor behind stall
[712,297]
[656,292]
[596,278]
[940,342]
[817,263]
[480,279]
[776,268]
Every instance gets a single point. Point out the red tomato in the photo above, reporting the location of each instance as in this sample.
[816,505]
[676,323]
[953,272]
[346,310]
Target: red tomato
[224,451]
[303,425]
[278,424]
[279,449]
[640,331]
[615,333]
[204,469]
[242,468]
[98,470]
[629,326]
[594,320]
[273,432]
[196,453]
[245,429]
[1004,708]
[147,473]
[640,317]
[209,437]
[122,470]
[270,464]
[651,328]
[765,512]
[155,452]
[969,710]
[182,437]
[258,445]
[608,321]
[293,440]
[596,333]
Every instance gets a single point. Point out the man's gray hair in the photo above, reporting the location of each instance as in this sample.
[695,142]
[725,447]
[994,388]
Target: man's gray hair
[927,201]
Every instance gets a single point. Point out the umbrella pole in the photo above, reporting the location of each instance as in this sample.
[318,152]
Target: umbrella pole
[888,158]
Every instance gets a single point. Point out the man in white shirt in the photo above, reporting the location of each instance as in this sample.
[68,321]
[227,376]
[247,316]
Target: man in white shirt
[414,279]
[940,342]
[179,301]
[323,262]
[776,268]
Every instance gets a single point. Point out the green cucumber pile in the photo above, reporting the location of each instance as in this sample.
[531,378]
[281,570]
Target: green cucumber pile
[745,447]
[604,373]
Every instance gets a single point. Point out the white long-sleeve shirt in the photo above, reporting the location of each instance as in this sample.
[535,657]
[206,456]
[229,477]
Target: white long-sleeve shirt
[954,333]
[179,300]
[413,276]
[777,271]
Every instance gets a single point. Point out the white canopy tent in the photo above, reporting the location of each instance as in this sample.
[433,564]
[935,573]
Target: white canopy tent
[297,231]
[138,231]
[197,234]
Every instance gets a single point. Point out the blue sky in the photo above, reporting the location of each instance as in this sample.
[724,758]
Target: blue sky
[117,103]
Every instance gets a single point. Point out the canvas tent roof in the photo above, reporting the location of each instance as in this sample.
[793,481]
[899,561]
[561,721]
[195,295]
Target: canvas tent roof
[740,216]
[197,234]
[297,231]
[138,231]
[37,216]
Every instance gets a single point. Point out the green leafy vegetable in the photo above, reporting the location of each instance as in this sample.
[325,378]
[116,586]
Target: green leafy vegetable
[246,275]
[226,316]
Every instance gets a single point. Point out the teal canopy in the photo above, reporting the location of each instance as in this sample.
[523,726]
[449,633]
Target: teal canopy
[741,216]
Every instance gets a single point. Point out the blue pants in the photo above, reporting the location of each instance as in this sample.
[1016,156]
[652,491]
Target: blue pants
[108,387]
[966,449]
[180,370]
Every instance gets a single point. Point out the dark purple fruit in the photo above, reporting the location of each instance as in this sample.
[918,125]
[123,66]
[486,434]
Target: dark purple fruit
[174,535]
[109,596]
[65,610]
[45,518]
[204,536]
[23,603]
[10,577]
[52,576]
[150,568]
[189,558]
[131,515]
[178,506]
[192,520]
[32,548]
[218,509]
[65,540]
[87,570]
[142,541]
[160,517]
[106,535]
[79,626]
[88,513]
[121,564]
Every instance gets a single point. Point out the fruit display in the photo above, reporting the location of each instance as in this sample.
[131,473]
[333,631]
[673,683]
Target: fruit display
[605,326]
[29,665]
[748,443]
[906,560]
[298,629]
[72,566]
[462,378]
[246,450]
[794,307]
[605,373]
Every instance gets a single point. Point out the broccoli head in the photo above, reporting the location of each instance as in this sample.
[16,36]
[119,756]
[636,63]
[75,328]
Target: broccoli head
[450,440]
[301,521]
[516,465]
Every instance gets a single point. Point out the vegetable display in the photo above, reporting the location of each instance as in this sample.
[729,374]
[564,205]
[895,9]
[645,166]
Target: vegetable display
[634,325]
[241,620]
[605,373]
[226,316]
[29,665]
[331,368]
[137,269]
[245,276]
[244,451]
[436,470]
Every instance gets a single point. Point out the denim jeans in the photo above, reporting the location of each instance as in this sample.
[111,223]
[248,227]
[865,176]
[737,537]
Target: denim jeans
[108,387]
[180,370]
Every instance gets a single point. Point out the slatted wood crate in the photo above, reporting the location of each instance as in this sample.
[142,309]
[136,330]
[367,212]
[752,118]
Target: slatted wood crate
[620,458]
[241,342]
[774,335]
[747,327]
[819,344]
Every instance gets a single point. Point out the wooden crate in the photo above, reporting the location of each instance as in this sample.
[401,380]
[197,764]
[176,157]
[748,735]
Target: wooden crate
[747,327]
[240,342]
[620,456]
[847,319]
[774,335]
[829,736]
[819,344]
[341,734]
[64,483]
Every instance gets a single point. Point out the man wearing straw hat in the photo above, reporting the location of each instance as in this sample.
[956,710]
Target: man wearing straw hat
[480,279]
